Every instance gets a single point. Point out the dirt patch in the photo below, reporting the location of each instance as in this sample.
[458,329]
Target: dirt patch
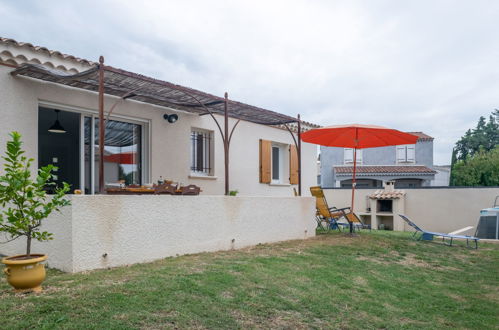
[299,246]
[226,295]
[456,297]
[411,260]
[358,280]
[391,308]
[373,260]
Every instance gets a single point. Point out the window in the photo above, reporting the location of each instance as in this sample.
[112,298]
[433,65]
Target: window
[122,153]
[277,163]
[348,156]
[201,152]
[406,153]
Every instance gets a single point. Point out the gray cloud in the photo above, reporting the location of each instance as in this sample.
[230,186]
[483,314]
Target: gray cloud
[412,65]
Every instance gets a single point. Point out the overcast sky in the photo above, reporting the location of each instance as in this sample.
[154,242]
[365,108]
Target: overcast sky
[430,66]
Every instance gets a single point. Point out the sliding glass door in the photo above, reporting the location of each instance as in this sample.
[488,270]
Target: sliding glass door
[75,149]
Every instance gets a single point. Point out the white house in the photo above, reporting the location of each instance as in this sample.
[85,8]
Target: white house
[154,129]
[39,87]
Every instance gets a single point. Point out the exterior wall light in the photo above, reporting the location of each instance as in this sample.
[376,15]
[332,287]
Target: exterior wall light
[171,118]
[57,127]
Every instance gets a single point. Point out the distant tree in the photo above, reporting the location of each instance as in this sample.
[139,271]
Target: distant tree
[474,154]
[480,170]
[484,137]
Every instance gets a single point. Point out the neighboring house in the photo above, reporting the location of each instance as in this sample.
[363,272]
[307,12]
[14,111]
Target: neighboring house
[442,177]
[41,97]
[408,165]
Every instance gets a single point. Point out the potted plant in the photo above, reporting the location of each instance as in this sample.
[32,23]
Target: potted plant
[24,204]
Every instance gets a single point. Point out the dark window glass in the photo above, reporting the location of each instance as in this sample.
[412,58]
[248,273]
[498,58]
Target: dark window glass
[275,163]
[88,154]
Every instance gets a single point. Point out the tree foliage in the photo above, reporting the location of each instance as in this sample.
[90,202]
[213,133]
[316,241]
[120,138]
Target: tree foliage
[24,200]
[484,137]
[479,170]
[475,158]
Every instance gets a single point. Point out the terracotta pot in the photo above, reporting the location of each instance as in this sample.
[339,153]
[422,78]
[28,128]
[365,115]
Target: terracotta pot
[25,275]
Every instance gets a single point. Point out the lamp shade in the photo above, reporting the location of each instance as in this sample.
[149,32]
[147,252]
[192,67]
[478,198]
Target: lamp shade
[57,127]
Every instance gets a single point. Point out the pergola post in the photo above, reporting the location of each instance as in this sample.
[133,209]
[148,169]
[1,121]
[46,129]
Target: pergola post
[298,148]
[299,155]
[102,124]
[226,142]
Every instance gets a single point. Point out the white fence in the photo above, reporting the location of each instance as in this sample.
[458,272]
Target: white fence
[107,231]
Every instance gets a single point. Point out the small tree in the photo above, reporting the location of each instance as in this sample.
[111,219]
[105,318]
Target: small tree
[24,201]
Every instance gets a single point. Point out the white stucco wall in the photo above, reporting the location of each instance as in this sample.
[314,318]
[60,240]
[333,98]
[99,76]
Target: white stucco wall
[133,229]
[169,144]
[440,210]
[60,249]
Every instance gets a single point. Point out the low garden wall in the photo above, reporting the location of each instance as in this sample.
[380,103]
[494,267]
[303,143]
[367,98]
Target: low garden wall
[106,231]
[434,209]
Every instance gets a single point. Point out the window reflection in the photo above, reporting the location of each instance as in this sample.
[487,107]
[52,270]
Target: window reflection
[122,153]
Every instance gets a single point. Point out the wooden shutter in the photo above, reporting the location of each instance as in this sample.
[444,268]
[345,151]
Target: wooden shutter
[359,156]
[401,157]
[293,165]
[348,155]
[411,153]
[265,161]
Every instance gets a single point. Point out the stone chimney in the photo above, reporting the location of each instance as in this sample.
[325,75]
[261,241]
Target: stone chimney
[389,186]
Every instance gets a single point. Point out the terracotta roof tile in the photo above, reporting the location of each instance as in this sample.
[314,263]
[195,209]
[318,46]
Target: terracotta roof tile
[46,51]
[386,194]
[422,136]
[409,169]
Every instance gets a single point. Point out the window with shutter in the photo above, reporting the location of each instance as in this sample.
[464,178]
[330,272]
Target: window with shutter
[406,153]
[348,156]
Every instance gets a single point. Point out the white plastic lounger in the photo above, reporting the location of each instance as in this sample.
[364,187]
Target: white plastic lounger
[428,235]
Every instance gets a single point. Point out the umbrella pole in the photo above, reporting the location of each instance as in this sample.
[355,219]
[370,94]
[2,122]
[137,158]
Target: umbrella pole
[353,184]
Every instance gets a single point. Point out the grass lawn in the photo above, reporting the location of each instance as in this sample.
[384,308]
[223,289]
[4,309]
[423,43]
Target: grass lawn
[377,280]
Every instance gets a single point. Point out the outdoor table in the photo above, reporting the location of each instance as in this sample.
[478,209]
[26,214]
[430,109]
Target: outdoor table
[137,191]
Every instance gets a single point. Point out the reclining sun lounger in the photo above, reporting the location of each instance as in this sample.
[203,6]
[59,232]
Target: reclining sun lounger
[428,235]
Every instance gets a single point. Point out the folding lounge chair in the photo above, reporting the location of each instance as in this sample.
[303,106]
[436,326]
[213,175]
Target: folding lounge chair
[329,215]
[428,235]
[357,222]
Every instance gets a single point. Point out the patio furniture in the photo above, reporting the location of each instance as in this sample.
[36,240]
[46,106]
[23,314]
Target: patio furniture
[190,190]
[130,191]
[357,137]
[165,189]
[428,235]
[327,214]
[356,221]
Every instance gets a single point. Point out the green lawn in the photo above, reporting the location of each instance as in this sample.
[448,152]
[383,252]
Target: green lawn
[377,280]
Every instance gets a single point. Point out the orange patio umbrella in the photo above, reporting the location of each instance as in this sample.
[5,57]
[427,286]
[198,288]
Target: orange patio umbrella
[357,136]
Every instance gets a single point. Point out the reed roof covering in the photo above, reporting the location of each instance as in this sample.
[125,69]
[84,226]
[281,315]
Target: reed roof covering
[137,87]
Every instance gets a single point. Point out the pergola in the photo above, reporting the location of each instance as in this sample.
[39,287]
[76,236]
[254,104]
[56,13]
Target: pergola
[108,80]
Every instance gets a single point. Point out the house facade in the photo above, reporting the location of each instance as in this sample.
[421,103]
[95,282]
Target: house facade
[410,166]
[145,141]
